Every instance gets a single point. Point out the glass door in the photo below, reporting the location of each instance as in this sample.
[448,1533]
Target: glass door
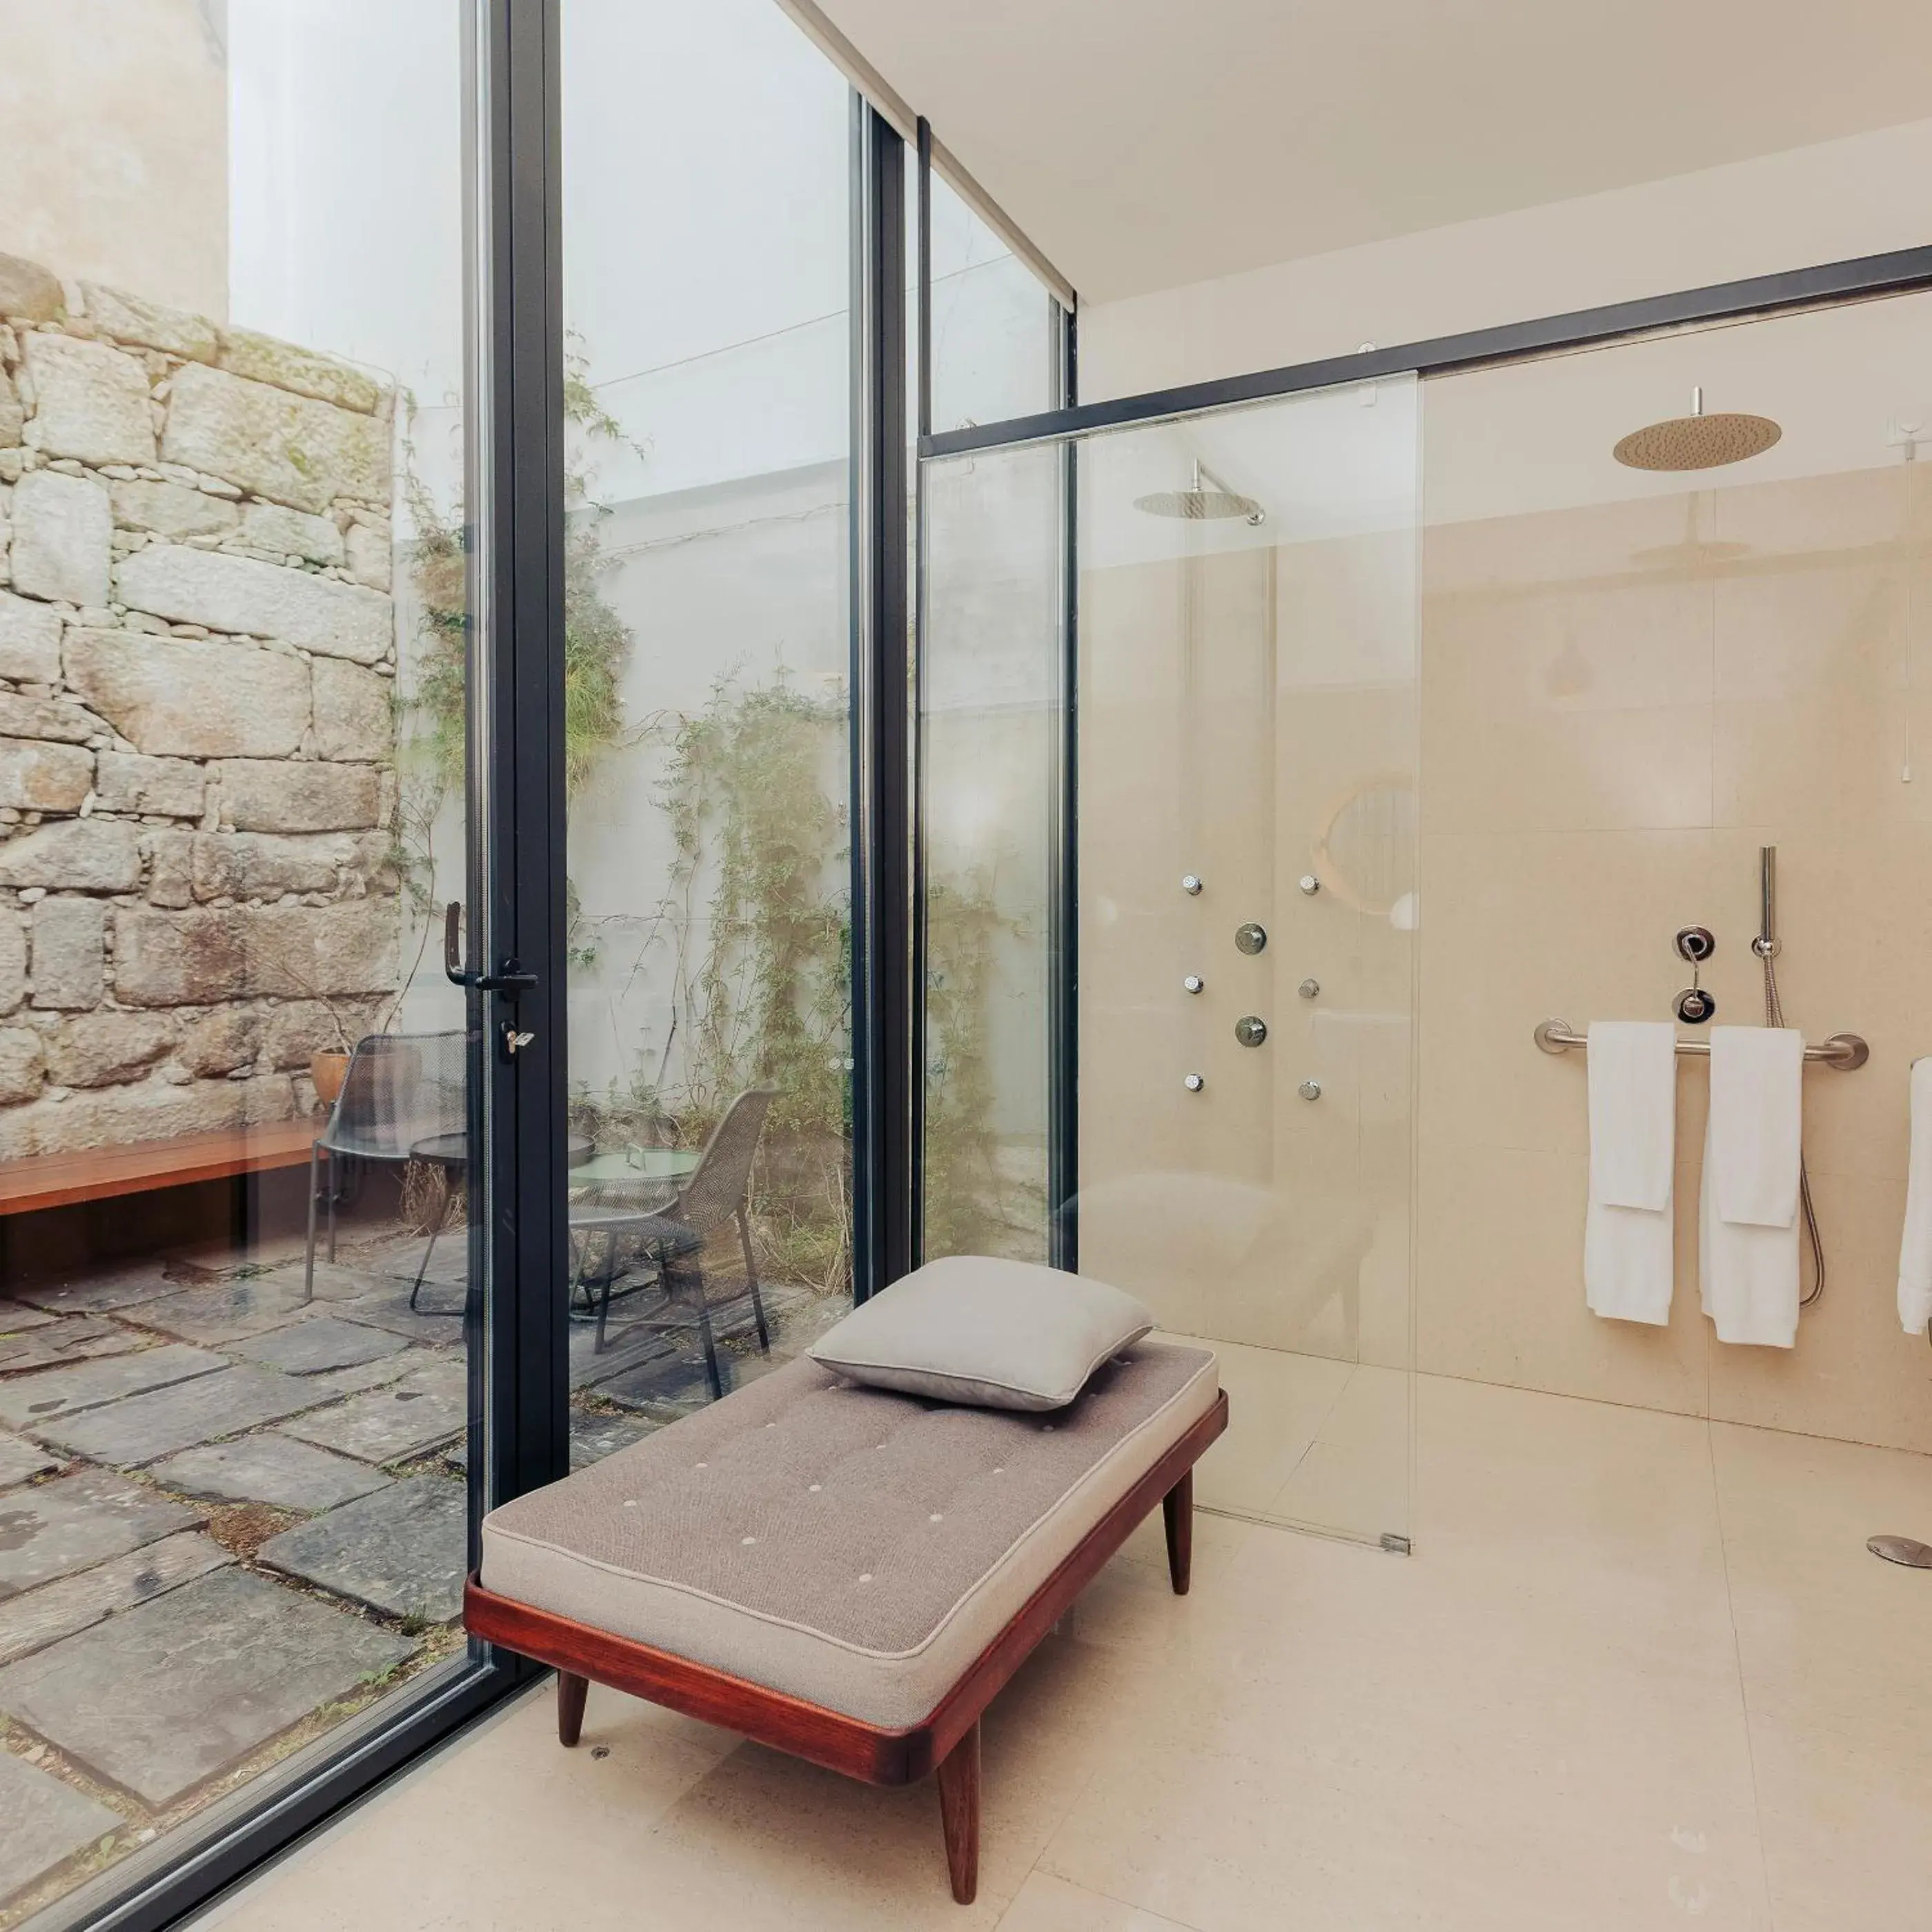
[1244,917]
[242,1327]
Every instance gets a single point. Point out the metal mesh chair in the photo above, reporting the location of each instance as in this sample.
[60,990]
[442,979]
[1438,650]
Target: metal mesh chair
[672,1237]
[401,1091]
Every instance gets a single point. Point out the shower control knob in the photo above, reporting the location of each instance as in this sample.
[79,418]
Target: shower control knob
[1191,885]
[1250,938]
[1309,1090]
[1193,982]
[1309,883]
[1194,1082]
[1696,944]
[1695,1006]
[1308,988]
[1251,1029]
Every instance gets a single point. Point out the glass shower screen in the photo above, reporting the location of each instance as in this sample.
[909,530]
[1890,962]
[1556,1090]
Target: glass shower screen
[1240,709]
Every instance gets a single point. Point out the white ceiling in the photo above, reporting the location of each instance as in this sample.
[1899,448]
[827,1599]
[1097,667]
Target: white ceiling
[1142,144]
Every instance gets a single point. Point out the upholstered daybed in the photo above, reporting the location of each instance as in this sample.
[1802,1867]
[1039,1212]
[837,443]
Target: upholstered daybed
[840,1572]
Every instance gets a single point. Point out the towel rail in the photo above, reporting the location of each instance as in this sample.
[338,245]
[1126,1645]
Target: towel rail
[1843,1051]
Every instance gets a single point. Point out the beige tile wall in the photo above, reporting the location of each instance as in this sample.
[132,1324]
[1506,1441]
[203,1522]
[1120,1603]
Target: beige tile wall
[1612,723]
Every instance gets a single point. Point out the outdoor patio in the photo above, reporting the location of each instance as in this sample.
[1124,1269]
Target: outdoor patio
[245,1513]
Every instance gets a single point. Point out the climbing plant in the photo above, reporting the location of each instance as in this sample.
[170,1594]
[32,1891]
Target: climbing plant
[596,640]
[750,785]
[968,1207]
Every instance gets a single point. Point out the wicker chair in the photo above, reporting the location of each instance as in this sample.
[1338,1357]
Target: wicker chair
[401,1090]
[673,1238]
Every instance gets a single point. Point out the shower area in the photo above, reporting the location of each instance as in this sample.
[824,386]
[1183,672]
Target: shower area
[1297,777]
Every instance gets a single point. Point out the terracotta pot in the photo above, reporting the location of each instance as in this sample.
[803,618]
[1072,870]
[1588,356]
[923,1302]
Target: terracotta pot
[328,1071]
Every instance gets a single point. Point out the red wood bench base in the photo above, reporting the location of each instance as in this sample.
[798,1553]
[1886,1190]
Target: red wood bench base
[947,1742]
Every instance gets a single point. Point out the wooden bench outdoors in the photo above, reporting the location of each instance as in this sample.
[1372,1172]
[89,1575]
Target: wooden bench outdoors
[99,1174]
[843,1573]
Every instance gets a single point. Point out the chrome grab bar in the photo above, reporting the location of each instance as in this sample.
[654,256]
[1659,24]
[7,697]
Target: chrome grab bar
[1843,1051]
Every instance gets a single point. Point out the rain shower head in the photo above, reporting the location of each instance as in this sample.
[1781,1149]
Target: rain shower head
[1200,502]
[1697,442]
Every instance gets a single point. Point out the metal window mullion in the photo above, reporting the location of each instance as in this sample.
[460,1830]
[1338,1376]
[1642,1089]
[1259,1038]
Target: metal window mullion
[525,834]
[883,1017]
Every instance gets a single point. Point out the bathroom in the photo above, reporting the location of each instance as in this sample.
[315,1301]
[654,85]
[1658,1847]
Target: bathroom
[1411,716]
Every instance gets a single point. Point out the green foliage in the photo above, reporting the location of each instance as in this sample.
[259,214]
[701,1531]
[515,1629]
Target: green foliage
[965,1206]
[596,642]
[770,1000]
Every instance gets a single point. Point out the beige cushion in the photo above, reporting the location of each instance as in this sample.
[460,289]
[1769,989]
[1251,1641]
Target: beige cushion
[1002,1334]
[849,1546]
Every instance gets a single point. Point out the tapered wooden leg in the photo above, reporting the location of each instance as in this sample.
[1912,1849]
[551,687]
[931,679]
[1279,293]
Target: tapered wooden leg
[571,1692]
[959,1814]
[1178,1508]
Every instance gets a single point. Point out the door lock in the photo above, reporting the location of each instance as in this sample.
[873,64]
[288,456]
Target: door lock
[513,1041]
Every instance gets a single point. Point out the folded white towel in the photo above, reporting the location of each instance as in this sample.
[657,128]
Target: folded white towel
[1628,1262]
[1747,1223]
[1915,1250]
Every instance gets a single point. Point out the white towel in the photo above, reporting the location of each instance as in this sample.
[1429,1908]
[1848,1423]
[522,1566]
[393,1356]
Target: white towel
[1628,1269]
[1915,1250]
[1748,1224]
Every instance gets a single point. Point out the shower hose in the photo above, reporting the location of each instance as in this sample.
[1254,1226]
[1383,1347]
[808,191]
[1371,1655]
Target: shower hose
[1774,1016]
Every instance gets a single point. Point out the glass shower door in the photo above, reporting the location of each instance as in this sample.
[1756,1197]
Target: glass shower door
[1245,913]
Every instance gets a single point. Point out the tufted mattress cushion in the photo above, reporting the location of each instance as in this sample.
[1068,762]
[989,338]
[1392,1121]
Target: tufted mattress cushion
[849,1546]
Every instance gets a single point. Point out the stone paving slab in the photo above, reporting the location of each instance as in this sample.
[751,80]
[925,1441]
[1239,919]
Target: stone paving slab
[269,1468]
[404,1550]
[144,1428]
[226,1310]
[388,1425]
[91,1291]
[594,1437]
[449,1266]
[17,1317]
[37,1618]
[73,1521]
[20,1460]
[435,1326]
[675,1381]
[334,1281]
[323,1341]
[199,1677]
[25,1400]
[387,1368]
[79,1338]
[46,1821]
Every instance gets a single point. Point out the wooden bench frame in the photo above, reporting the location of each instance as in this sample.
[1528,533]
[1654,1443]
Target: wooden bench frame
[946,1742]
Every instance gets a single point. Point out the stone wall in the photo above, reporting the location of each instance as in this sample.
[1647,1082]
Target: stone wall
[197,660]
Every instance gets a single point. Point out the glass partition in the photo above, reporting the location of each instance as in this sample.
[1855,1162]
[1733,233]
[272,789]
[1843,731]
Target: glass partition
[996,338]
[707,647]
[1245,913]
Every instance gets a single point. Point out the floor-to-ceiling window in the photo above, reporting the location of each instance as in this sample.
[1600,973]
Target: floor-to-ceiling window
[238,1340]
[707,185]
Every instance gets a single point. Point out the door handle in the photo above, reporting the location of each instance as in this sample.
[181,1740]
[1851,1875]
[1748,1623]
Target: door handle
[512,979]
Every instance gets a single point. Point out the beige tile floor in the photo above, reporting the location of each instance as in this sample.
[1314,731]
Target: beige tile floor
[1640,1670]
